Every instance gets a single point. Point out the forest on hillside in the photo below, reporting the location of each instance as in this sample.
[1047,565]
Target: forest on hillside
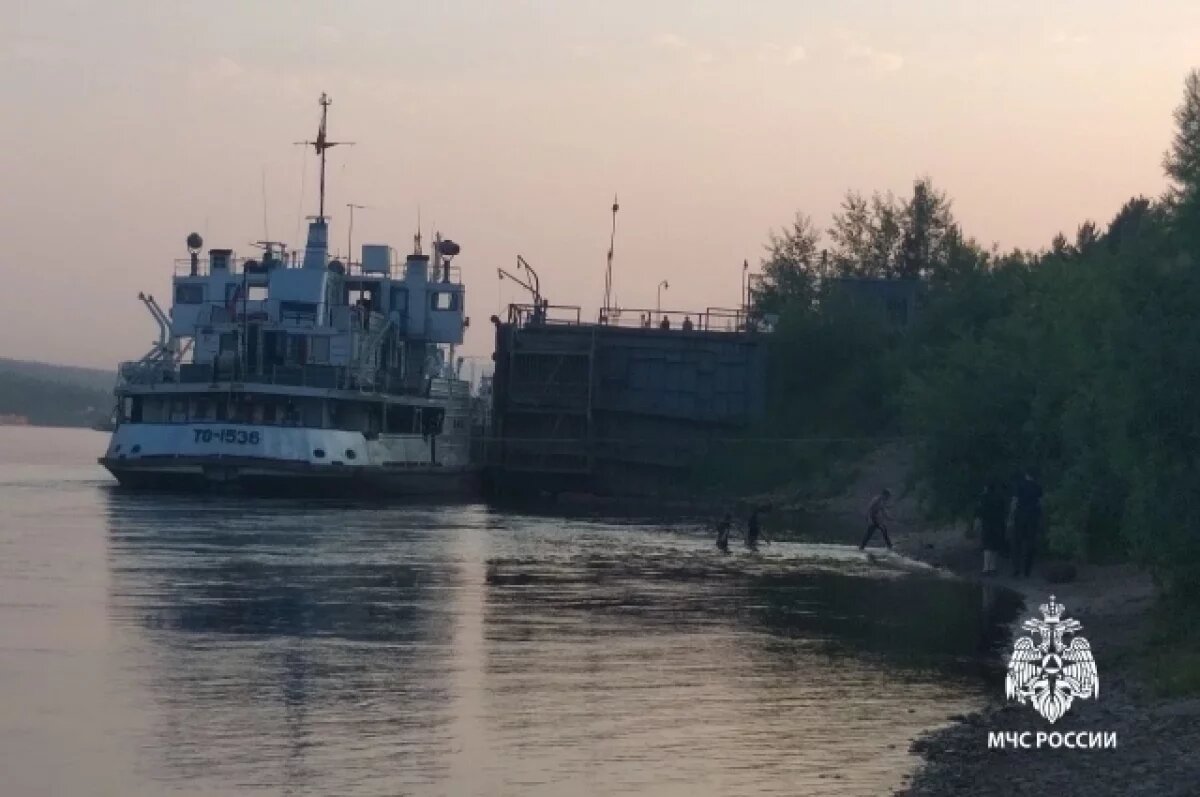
[52,395]
[1080,361]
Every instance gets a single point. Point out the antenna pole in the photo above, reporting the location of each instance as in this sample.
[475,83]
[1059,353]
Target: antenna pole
[350,232]
[608,271]
[323,145]
[746,289]
[266,227]
[417,238]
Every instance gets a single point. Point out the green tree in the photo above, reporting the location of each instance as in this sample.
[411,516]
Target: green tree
[853,236]
[929,232]
[1182,161]
[792,267]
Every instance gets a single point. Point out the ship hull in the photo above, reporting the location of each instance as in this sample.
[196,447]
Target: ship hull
[293,461]
[295,479]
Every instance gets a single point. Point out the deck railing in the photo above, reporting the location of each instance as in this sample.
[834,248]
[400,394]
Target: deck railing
[324,377]
[236,265]
[711,319]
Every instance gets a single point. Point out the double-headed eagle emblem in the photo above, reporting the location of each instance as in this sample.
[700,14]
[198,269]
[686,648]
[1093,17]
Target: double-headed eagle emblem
[1050,674]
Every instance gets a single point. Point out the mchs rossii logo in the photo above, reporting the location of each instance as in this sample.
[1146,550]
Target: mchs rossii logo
[1050,673]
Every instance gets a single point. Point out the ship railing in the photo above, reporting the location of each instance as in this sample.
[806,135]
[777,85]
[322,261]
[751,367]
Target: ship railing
[143,372]
[526,314]
[248,310]
[396,271]
[711,319]
[322,377]
[234,265]
[442,387]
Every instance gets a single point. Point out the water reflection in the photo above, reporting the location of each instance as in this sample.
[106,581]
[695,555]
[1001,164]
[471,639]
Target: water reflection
[321,648]
[279,643]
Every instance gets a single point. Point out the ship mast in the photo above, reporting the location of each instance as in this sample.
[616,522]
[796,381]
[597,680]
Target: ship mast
[320,145]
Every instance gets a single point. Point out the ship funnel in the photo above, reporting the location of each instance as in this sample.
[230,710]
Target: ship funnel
[416,268]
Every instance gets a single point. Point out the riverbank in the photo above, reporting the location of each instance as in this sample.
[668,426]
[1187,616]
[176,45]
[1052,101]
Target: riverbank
[1157,737]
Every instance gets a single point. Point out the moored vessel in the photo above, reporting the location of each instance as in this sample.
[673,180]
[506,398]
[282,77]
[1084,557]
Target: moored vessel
[298,373]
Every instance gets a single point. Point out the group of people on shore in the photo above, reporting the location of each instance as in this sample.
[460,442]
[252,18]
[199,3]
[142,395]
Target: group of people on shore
[995,510]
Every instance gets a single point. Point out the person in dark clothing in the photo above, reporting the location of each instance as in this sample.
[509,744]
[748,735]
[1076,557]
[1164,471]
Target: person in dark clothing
[876,515]
[992,514]
[723,532]
[665,323]
[752,530]
[1027,522]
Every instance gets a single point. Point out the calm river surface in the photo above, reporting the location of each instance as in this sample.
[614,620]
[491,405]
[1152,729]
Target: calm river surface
[219,646]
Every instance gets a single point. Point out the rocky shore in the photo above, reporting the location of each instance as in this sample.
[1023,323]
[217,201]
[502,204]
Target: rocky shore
[1158,740]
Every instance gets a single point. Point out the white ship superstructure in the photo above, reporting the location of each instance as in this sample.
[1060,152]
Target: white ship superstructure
[296,372]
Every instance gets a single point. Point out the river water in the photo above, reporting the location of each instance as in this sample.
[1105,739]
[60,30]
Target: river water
[227,646]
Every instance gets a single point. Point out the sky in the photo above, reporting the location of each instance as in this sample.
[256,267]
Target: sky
[509,125]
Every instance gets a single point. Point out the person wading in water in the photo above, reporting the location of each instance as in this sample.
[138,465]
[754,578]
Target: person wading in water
[877,514]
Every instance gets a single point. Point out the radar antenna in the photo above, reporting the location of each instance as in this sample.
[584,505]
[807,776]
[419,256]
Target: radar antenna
[320,145]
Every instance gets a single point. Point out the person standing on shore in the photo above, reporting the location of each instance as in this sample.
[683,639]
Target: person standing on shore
[1027,522]
[877,514]
[992,514]
[723,533]
[752,530]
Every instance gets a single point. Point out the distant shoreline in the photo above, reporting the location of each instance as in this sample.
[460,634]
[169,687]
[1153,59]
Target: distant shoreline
[31,425]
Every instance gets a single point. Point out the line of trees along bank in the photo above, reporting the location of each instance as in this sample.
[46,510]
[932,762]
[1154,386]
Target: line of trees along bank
[1081,361]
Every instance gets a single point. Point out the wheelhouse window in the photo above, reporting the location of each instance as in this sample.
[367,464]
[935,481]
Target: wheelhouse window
[298,313]
[297,349]
[400,419]
[189,294]
[443,300]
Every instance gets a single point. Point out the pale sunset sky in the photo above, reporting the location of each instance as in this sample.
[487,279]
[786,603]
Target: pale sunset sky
[511,124]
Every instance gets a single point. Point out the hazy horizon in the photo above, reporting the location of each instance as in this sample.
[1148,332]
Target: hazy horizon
[512,125]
